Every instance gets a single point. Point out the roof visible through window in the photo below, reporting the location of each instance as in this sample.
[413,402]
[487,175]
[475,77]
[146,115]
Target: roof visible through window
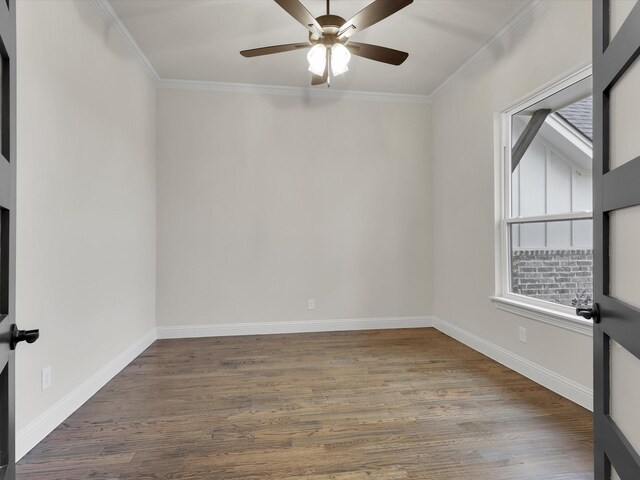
[580,116]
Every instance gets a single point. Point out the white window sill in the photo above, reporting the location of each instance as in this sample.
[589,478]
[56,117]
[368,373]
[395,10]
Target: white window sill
[544,315]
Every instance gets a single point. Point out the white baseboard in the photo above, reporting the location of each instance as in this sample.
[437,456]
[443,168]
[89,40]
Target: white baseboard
[553,381]
[32,434]
[302,326]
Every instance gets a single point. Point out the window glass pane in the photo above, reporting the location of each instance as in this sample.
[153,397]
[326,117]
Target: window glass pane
[549,263]
[559,184]
[554,175]
[582,234]
[532,235]
[581,191]
[529,182]
[624,258]
[515,193]
[570,234]
[624,109]
[559,235]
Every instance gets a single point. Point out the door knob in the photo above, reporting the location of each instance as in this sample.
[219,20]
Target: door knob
[18,336]
[592,313]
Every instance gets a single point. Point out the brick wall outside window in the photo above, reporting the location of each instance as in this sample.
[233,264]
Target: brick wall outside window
[559,276]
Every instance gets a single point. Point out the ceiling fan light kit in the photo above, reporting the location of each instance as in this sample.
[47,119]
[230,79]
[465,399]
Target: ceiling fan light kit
[339,56]
[329,38]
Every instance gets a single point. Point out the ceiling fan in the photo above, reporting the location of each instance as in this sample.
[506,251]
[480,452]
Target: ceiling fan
[329,38]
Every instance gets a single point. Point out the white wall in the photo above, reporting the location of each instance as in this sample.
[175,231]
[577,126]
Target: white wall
[265,201]
[558,40]
[86,199]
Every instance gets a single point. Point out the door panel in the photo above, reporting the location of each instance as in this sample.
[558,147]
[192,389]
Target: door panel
[6,455]
[614,474]
[624,260]
[619,11]
[625,392]
[616,193]
[624,109]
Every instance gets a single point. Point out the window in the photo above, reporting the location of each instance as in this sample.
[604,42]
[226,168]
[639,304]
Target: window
[546,251]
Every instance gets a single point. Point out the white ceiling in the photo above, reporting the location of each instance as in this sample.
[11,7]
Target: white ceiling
[200,40]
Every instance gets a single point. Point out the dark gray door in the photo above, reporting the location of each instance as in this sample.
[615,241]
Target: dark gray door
[9,334]
[616,181]
[7,234]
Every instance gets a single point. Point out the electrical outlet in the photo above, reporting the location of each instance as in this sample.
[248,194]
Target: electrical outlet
[46,378]
[311,304]
[523,335]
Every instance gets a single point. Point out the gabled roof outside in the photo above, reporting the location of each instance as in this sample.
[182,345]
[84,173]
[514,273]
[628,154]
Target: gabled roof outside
[580,116]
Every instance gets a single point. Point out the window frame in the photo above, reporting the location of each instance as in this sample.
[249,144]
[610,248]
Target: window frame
[540,310]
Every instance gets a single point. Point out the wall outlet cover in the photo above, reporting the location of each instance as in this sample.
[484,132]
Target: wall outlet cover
[46,378]
[523,335]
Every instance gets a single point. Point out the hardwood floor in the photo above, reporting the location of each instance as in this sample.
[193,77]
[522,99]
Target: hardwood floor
[376,405]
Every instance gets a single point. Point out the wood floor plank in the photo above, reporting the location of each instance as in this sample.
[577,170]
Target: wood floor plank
[408,404]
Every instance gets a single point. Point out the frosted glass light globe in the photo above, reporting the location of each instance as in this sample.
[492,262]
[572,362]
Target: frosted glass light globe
[340,56]
[317,58]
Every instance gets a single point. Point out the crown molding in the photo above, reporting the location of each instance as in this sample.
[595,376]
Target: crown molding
[511,29]
[114,23]
[308,92]
[525,17]
[116,26]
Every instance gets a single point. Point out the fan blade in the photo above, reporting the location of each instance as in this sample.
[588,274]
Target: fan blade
[371,14]
[256,52]
[319,80]
[301,14]
[379,54]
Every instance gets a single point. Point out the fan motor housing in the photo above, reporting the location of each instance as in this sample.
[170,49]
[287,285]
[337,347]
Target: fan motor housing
[331,21]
